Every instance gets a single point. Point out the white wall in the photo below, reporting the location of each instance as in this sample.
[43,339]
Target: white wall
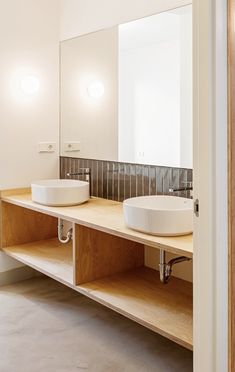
[83,16]
[29,44]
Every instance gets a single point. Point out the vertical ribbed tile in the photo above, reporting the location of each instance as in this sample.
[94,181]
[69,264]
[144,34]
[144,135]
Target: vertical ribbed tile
[139,180]
[152,181]
[146,180]
[159,180]
[119,181]
[87,163]
[69,165]
[66,168]
[62,169]
[100,179]
[105,180]
[175,182]
[73,167]
[76,165]
[183,181]
[189,179]
[127,181]
[110,180]
[167,180]
[133,180]
[189,175]
[183,176]
[94,176]
[115,182]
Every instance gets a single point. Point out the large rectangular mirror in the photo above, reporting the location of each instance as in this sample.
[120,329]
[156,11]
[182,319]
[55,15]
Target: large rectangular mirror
[126,92]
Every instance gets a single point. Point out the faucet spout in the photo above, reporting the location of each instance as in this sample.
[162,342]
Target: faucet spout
[188,187]
[83,172]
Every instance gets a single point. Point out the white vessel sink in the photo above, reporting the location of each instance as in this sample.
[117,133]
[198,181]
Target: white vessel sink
[60,192]
[159,215]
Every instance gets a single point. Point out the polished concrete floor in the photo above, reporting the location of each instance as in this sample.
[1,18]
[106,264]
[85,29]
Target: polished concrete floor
[47,327]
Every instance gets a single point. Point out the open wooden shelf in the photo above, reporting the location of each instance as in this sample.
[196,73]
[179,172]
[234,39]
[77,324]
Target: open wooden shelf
[50,257]
[104,261]
[107,216]
[139,295]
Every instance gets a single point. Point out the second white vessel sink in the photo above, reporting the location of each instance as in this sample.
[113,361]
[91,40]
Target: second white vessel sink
[159,215]
[58,192]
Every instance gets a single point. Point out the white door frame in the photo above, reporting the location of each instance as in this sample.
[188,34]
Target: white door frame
[210,186]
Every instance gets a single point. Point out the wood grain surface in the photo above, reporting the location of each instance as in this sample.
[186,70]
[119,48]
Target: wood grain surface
[98,254]
[22,225]
[107,216]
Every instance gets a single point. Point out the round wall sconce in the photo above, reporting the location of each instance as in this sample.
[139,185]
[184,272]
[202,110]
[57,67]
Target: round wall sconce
[95,90]
[29,85]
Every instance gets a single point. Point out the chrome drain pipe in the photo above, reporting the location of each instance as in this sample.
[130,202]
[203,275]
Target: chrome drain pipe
[165,269]
[162,266]
[64,239]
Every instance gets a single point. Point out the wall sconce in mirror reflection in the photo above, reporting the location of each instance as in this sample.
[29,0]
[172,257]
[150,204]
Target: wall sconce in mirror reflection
[95,90]
[29,85]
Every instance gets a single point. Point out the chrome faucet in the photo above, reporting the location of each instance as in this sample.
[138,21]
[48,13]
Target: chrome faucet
[83,172]
[188,187]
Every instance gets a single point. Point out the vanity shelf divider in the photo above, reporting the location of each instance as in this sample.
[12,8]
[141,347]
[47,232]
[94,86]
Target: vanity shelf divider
[98,254]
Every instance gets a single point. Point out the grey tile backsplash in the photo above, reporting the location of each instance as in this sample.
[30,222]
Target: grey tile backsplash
[119,181]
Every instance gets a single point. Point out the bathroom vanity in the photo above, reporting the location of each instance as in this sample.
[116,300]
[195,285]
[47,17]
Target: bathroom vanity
[104,261]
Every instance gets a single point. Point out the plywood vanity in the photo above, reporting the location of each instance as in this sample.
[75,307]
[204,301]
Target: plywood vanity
[105,261]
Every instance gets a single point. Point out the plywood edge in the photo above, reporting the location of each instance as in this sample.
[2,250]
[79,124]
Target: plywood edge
[17,191]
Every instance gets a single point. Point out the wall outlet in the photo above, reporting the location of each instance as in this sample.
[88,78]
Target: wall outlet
[71,146]
[46,147]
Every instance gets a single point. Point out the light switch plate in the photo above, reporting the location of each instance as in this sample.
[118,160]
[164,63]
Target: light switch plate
[46,147]
[71,146]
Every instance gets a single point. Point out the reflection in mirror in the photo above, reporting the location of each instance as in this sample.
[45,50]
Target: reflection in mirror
[126,92]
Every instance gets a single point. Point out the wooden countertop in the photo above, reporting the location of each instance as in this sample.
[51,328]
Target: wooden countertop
[103,215]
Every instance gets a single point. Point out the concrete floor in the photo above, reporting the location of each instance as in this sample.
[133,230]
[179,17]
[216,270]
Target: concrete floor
[47,327]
